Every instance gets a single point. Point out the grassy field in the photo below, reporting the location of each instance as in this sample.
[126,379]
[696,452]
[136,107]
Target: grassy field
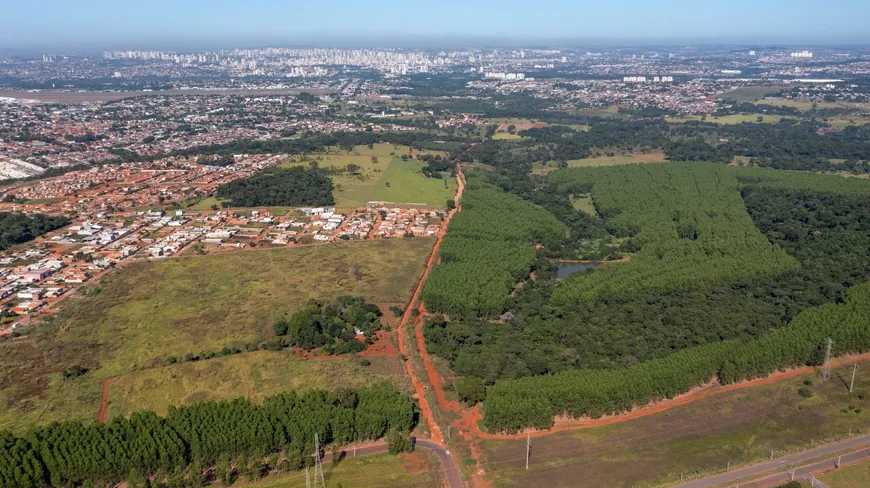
[652,157]
[408,185]
[205,204]
[752,93]
[519,123]
[418,470]
[355,190]
[138,316]
[842,123]
[253,375]
[800,105]
[856,476]
[352,190]
[739,427]
[731,119]
[584,203]
[506,136]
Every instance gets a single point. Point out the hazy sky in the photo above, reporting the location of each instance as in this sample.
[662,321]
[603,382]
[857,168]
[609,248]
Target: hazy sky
[107,24]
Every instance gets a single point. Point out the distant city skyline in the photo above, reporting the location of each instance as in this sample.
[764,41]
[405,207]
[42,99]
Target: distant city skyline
[200,25]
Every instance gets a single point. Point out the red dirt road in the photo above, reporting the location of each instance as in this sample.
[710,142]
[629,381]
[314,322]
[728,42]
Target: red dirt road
[699,393]
[104,402]
[419,388]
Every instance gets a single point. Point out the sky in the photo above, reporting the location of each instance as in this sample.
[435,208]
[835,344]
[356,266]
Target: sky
[213,24]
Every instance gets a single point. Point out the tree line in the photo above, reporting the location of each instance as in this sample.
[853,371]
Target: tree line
[819,221]
[189,439]
[687,222]
[297,186]
[823,230]
[512,405]
[489,247]
[18,228]
[790,144]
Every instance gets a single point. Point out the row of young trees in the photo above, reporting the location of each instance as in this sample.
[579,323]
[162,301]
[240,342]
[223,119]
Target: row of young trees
[801,182]
[825,232]
[195,437]
[687,221]
[821,221]
[533,402]
[489,247]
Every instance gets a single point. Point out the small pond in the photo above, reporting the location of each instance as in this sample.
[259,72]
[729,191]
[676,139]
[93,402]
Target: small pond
[567,268]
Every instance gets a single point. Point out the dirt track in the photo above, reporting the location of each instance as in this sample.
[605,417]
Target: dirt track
[104,402]
[700,393]
[425,410]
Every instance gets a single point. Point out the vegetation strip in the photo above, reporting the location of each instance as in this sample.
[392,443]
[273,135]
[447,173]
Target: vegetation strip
[189,439]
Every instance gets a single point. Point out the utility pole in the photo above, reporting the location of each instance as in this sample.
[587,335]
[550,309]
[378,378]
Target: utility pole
[826,367]
[318,466]
[852,384]
[528,449]
[307,477]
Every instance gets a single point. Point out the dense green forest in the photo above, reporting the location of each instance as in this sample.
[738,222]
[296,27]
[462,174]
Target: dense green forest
[824,231]
[307,143]
[332,325]
[687,221]
[512,405]
[17,228]
[789,144]
[298,186]
[816,226]
[178,447]
[489,247]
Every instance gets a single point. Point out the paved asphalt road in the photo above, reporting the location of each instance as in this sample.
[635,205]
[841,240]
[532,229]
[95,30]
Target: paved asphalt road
[852,443]
[448,465]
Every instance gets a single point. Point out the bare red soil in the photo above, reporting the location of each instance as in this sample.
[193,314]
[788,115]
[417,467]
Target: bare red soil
[383,346]
[419,388]
[104,402]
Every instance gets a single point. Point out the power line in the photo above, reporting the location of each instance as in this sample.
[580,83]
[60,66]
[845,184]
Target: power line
[852,383]
[826,366]
[318,466]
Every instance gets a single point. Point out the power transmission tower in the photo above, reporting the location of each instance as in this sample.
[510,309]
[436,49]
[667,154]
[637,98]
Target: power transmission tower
[852,384]
[826,366]
[318,466]
[307,477]
[528,449]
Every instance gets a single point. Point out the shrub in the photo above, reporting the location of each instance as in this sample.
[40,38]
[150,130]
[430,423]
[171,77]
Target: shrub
[398,442]
[470,390]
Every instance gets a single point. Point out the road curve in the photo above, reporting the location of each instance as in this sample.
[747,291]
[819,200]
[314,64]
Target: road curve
[779,464]
[450,470]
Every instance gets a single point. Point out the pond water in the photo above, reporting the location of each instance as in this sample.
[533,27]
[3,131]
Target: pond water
[567,269]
